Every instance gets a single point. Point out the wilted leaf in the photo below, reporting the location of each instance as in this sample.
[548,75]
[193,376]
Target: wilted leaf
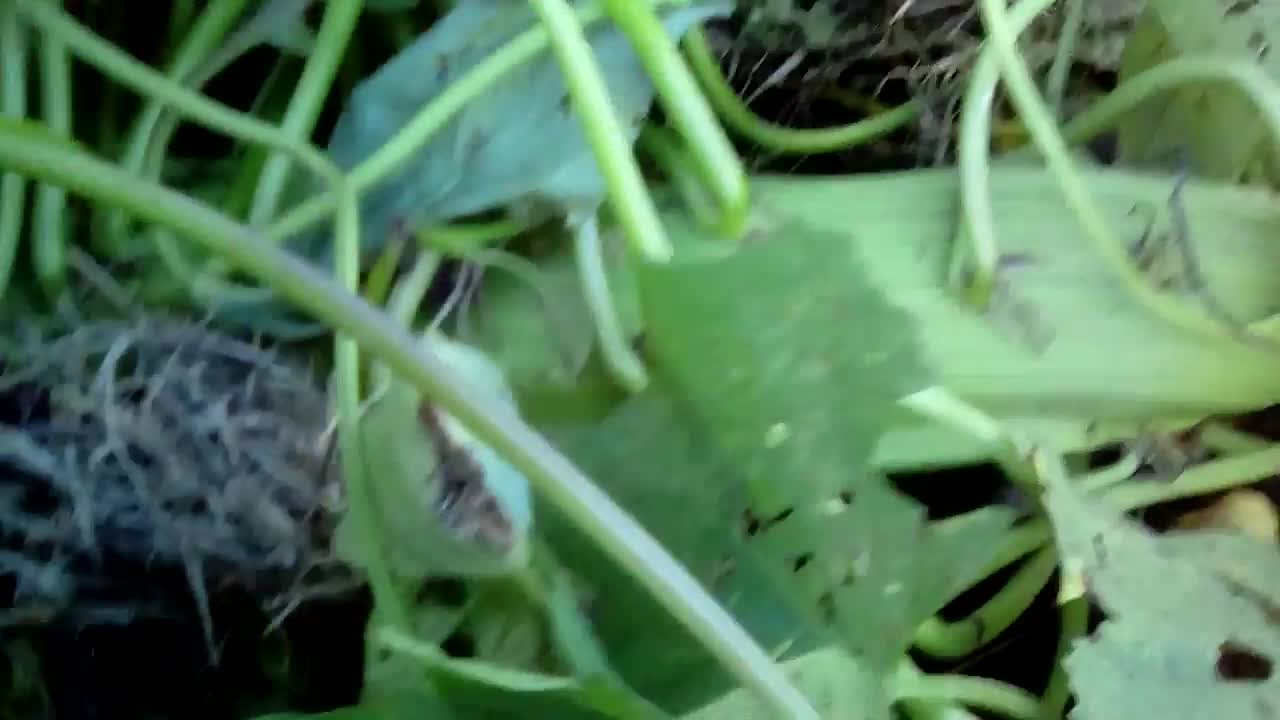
[1192,631]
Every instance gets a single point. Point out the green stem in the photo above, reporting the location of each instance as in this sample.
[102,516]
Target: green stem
[308,98]
[1211,477]
[686,107]
[1112,475]
[615,347]
[558,480]
[1074,615]
[664,147]
[909,684]
[111,61]
[610,143]
[1065,56]
[1170,75]
[13,104]
[1002,42]
[145,139]
[976,231]
[403,147]
[412,288]
[957,639]
[49,246]
[778,138]
[464,237]
[346,378]
[1226,440]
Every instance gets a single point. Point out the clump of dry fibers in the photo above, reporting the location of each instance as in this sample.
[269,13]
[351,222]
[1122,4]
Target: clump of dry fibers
[153,444]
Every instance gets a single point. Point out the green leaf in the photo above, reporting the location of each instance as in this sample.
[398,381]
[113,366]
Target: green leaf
[785,351]
[1190,633]
[1218,126]
[664,471]
[873,569]
[794,362]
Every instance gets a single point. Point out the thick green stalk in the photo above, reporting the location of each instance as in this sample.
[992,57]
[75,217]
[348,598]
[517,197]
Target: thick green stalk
[308,98]
[609,141]
[50,229]
[687,108]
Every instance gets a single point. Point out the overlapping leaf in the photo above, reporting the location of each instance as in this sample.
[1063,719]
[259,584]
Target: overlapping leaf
[1219,127]
[1192,630]
[793,362]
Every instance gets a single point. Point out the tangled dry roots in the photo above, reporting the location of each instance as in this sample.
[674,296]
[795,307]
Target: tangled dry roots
[153,444]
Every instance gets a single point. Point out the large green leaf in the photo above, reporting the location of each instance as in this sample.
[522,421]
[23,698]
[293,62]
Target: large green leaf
[783,349]
[1191,632]
[794,362]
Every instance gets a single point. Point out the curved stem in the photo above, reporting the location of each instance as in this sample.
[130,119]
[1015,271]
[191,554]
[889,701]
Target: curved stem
[49,231]
[778,138]
[687,108]
[909,684]
[558,480]
[615,349]
[1183,70]
[306,102]
[1074,615]
[1065,56]
[664,147]
[147,138]
[1002,41]
[111,61]
[1211,477]
[957,639]
[464,237]
[610,143]
[1112,475]
[976,232]
[1222,438]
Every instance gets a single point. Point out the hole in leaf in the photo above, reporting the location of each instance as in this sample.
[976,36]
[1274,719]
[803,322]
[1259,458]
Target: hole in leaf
[459,645]
[800,561]
[1239,662]
[754,524]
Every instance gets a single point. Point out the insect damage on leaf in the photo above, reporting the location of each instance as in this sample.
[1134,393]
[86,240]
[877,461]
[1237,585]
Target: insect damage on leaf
[1191,629]
[446,504]
[463,502]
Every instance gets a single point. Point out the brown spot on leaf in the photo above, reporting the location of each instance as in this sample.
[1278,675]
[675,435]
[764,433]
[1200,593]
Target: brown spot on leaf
[1238,662]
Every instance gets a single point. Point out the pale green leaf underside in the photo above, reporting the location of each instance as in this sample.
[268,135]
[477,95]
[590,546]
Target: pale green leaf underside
[1176,609]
